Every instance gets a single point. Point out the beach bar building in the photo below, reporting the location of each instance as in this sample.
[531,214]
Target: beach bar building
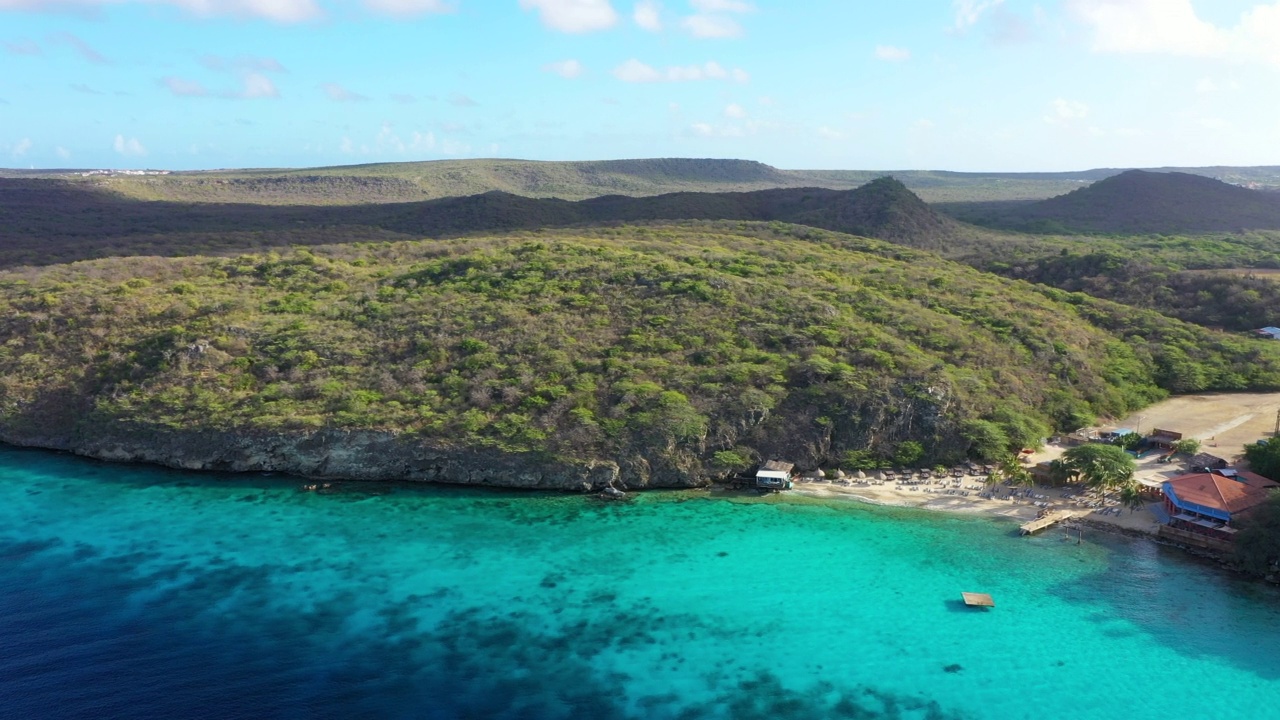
[1204,505]
[774,475]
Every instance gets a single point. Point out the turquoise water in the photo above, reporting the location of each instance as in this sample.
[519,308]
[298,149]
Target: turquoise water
[137,592]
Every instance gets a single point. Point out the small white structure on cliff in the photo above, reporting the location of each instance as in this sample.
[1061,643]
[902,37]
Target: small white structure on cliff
[774,475]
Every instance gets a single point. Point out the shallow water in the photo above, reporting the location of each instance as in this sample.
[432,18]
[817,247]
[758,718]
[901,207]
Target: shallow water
[137,592]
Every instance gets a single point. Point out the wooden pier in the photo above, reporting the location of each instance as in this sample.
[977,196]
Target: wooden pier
[981,600]
[1046,520]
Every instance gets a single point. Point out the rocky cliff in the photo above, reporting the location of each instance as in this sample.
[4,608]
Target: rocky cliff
[340,455]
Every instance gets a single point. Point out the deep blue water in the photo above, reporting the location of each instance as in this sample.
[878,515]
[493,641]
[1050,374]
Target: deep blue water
[130,592]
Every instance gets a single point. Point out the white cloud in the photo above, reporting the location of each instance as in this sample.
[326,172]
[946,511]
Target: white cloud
[460,100]
[923,124]
[85,50]
[711,26]
[22,147]
[828,133]
[564,68]
[634,71]
[285,11]
[711,18]
[711,6]
[257,85]
[128,147]
[572,16]
[648,15]
[409,8]
[22,46]
[1205,85]
[968,12]
[337,93]
[702,129]
[242,63]
[1172,27]
[183,87]
[889,53]
[1066,112]
[735,110]
[62,152]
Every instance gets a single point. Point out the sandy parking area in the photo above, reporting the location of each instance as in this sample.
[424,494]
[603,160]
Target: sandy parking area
[1225,423]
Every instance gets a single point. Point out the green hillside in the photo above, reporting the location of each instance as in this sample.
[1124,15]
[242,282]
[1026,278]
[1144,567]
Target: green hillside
[1150,202]
[679,351]
[579,180]
[57,221]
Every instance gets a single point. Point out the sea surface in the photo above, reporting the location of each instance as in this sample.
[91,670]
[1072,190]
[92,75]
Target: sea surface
[133,592]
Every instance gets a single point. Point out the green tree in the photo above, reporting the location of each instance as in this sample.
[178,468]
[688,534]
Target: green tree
[1264,457]
[1105,467]
[1131,496]
[987,440]
[1257,545]
[1128,441]
[860,460]
[1188,446]
[1014,471]
[908,453]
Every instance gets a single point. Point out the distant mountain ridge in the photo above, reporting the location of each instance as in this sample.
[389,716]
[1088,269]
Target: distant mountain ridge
[1138,201]
[53,221]
[579,180]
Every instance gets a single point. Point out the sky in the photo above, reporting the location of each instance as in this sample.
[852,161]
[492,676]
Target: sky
[976,85]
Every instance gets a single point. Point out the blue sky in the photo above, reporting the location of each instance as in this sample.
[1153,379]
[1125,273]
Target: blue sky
[857,84]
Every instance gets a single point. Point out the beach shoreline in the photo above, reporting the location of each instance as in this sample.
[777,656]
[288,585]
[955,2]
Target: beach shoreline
[1010,504]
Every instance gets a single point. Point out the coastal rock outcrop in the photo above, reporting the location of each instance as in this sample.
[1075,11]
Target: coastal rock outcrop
[330,455]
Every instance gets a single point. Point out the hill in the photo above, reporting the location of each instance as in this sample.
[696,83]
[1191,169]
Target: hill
[659,356]
[1148,202]
[579,180]
[52,221]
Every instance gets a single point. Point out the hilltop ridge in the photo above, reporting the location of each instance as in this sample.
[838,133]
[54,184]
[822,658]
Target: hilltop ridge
[577,180]
[1138,201]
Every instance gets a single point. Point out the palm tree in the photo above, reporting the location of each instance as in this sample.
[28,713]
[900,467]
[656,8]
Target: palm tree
[1131,496]
[1102,467]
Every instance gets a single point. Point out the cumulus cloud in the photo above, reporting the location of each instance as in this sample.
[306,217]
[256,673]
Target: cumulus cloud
[734,110]
[85,50]
[1066,112]
[460,100]
[257,85]
[22,147]
[968,12]
[182,87]
[409,8]
[249,69]
[241,63]
[337,93]
[129,147]
[714,18]
[572,16]
[890,53]
[827,133]
[648,15]
[1173,27]
[22,46]
[564,68]
[284,11]
[634,71]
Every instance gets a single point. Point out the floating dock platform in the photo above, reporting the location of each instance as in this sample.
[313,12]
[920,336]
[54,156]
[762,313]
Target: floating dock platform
[978,600]
[1046,520]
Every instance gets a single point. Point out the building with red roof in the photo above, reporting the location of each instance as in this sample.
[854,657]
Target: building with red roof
[1207,503]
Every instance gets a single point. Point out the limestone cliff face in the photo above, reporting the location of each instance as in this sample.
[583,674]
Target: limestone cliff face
[337,455]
